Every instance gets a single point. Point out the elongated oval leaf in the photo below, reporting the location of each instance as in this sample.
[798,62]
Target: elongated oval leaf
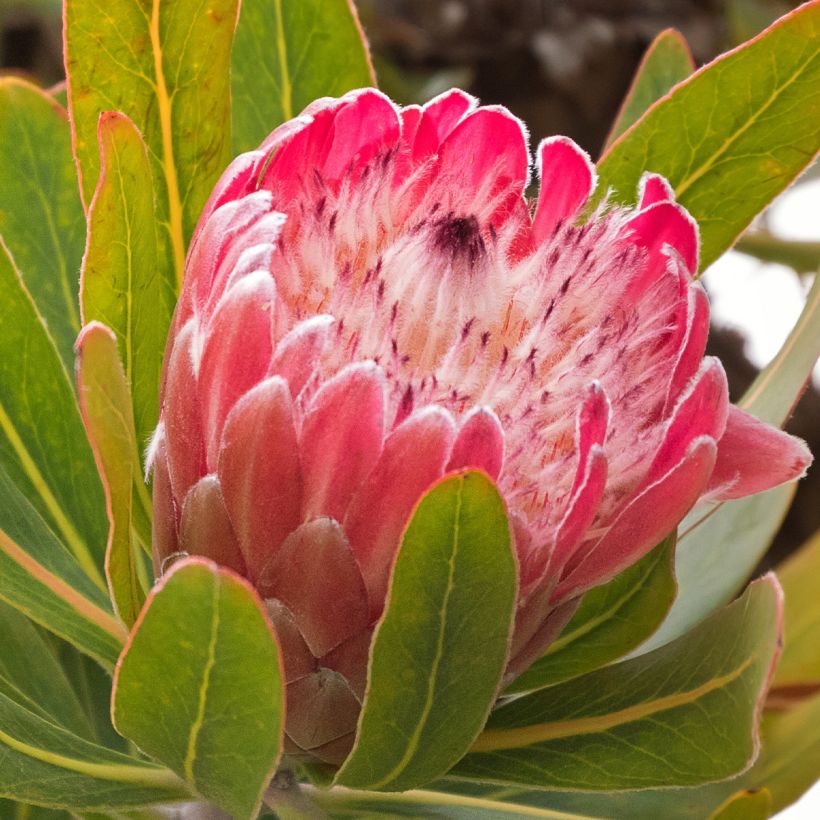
[123,284]
[682,715]
[164,65]
[718,550]
[42,441]
[745,805]
[800,663]
[287,54]
[41,217]
[666,62]
[734,135]
[440,649]
[41,578]
[105,403]
[786,768]
[47,765]
[31,674]
[612,620]
[199,685]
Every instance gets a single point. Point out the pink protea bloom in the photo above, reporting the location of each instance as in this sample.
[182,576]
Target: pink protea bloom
[369,303]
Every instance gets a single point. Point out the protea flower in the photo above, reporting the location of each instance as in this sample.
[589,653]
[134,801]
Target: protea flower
[370,302]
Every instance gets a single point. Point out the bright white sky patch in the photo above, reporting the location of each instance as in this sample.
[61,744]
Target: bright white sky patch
[763,301]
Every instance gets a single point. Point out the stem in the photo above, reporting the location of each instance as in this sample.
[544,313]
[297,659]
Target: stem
[803,256]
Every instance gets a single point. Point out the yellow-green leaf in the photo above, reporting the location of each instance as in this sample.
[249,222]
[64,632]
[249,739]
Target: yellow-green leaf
[199,685]
[41,217]
[123,284]
[166,66]
[682,715]
[288,53]
[666,62]
[734,135]
[106,407]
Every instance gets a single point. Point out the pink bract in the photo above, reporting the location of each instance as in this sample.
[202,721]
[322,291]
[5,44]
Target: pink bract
[371,302]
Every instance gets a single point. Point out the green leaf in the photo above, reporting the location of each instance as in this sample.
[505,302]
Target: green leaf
[44,764]
[41,578]
[287,54]
[734,135]
[31,674]
[612,620]
[199,685]
[423,803]
[800,662]
[787,767]
[665,63]
[166,66]
[41,218]
[719,549]
[441,647]
[10,810]
[123,283]
[745,805]
[92,683]
[42,442]
[105,403]
[682,715]
[801,255]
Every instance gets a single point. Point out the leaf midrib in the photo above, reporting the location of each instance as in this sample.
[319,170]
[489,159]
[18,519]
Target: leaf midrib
[492,740]
[432,678]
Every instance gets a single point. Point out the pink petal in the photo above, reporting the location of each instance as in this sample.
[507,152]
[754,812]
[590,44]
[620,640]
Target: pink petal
[581,511]
[259,471]
[439,117]
[321,708]
[567,179]
[342,439]
[753,456]
[410,121]
[694,343]
[487,153]
[205,528]
[661,224]
[290,166]
[234,183]
[182,415]
[350,660]
[590,427]
[590,478]
[245,257]
[205,256]
[236,354]
[297,353]
[654,188]
[297,658]
[701,411]
[644,523]
[479,443]
[365,127]
[316,576]
[413,458]
[163,526]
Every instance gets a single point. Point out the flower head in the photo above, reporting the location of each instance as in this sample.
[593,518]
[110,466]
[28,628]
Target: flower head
[370,302]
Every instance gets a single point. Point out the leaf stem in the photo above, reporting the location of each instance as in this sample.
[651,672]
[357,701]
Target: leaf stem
[803,256]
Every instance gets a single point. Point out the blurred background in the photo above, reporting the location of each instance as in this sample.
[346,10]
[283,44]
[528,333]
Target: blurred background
[564,66]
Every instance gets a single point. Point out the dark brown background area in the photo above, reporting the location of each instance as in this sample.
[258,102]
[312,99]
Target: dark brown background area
[563,66]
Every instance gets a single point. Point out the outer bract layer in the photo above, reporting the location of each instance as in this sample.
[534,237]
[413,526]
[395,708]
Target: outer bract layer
[370,302]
